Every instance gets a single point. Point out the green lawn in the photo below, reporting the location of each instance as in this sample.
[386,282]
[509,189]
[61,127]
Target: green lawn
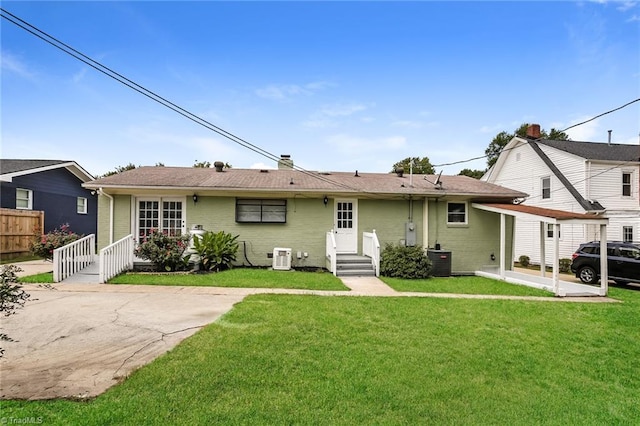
[43,278]
[282,359]
[239,277]
[463,285]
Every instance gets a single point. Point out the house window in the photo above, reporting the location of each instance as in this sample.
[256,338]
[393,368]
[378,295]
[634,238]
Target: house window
[24,199]
[627,234]
[456,213]
[626,184]
[546,188]
[81,205]
[261,211]
[550,228]
[163,215]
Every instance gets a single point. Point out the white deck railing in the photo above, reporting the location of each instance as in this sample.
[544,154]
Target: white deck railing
[371,248]
[69,259]
[116,258]
[330,244]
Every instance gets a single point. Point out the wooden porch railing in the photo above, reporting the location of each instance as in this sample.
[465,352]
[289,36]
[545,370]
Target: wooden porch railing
[73,257]
[330,248]
[116,258]
[371,248]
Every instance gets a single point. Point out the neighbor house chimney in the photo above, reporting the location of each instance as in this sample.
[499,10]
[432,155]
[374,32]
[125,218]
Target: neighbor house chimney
[285,162]
[609,140]
[533,131]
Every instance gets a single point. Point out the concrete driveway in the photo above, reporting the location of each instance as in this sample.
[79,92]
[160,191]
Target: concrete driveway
[78,344]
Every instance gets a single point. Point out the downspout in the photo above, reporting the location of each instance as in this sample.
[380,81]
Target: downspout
[100,191]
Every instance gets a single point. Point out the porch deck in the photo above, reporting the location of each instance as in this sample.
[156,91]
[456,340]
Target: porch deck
[88,275]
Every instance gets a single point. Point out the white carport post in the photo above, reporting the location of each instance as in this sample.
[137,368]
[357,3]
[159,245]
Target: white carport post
[604,269]
[543,250]
[503,244]
[556,259]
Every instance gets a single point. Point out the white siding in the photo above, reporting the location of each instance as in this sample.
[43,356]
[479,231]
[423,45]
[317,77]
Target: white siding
[523,170]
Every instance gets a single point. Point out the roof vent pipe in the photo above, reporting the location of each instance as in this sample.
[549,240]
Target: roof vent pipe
[219,165]
[609,131]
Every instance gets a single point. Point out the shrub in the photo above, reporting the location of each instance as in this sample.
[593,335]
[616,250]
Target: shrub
[524,260]
[216,250]
[166,252]
[404,262]
[12,296]
[565,265]
[44,245]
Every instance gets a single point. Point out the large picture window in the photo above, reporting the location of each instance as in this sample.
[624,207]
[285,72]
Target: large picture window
[164,215]
[457,213]
[261,211]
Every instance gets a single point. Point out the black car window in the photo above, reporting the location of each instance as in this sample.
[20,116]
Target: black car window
[590,249]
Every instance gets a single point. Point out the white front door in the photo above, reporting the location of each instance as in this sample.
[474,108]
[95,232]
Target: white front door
[346,225]
[164,214]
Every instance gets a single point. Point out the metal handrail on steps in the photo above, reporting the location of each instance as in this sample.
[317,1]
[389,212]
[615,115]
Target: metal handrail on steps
[116,258]
[73,257]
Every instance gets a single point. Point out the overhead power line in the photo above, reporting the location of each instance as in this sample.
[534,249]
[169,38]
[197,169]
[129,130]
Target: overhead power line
[197,119]
[152,95]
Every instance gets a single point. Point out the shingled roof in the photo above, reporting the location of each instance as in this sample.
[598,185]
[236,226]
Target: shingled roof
[297,181]
[596,150]
[11,168]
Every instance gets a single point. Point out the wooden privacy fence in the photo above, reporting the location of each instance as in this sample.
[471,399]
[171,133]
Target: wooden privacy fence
[17,229]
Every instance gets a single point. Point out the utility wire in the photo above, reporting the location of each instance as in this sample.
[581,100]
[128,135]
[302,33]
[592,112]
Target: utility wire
[197,119]
[538,139]
[152,95]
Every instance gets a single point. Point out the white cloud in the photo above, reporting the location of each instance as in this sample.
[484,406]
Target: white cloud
[408,124]
[585,132]
[261,166]
[342,110]
[281,92]
[349,144]
[634,18]
[626,5]
[492,129]
[11,63]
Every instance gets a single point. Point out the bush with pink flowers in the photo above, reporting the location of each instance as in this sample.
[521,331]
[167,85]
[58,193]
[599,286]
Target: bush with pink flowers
[44,245]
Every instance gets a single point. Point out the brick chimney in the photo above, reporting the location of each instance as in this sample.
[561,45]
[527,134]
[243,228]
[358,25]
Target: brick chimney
[285,162]
[533,131]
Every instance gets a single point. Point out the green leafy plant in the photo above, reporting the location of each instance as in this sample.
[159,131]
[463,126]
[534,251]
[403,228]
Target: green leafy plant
[43,246]
[399,261]
[165,251]
[12,296]
[524,260]
[565,265]
[217,250]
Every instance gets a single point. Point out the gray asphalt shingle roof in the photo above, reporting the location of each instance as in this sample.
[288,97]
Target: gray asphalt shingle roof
[13,165]
[597,150]
[296,181]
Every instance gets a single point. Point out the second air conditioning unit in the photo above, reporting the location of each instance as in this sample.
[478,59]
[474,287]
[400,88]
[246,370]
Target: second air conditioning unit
[282,259]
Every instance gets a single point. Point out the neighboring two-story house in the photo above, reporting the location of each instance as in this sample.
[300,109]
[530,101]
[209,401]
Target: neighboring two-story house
[52,186]
[581,177]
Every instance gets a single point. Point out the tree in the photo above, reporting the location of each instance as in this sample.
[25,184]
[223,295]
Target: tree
[12,296]
[202,164]
[120,169]
[503,138]
[476,174]
[421,166]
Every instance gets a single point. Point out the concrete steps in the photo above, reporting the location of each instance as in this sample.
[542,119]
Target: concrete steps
[351,265]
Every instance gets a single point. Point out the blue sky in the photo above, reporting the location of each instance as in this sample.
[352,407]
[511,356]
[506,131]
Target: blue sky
[339,86]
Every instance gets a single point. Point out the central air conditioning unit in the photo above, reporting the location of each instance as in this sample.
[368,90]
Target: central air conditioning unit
[282,259]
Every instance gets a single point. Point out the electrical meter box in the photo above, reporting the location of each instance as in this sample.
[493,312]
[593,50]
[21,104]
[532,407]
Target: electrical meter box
[410,234]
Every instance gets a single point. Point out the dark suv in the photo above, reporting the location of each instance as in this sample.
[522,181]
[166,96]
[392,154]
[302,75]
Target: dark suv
[623,260]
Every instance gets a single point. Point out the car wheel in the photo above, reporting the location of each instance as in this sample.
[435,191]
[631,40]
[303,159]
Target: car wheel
[588,275]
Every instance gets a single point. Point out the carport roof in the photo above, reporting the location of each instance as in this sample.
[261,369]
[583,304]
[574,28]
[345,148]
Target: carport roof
[540,213]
